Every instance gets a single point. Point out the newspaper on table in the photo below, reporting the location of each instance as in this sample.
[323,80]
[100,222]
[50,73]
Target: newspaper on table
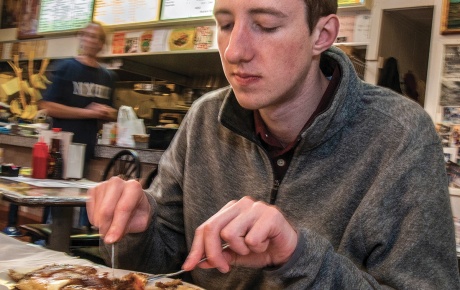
[82,183]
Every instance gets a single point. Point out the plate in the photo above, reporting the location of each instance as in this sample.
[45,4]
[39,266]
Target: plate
[6,281]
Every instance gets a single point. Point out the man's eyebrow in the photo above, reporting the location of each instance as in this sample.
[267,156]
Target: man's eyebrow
[268,11]
[221,12]
[255,11]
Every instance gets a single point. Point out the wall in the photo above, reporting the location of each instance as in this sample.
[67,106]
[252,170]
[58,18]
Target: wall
[409,43]
[435,63]
[125,95]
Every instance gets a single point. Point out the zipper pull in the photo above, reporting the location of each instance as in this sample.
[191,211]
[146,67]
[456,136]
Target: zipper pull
[274,192]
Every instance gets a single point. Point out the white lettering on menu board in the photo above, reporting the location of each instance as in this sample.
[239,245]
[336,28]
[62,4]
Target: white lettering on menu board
[176,9]
[62,15]
[113,12]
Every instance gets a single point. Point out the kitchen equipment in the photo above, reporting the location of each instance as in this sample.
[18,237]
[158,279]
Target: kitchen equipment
[161,116]
[10,170]
[141,140]
[160,137]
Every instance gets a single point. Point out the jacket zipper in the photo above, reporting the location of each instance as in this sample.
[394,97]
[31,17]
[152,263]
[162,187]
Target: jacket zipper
[274,192]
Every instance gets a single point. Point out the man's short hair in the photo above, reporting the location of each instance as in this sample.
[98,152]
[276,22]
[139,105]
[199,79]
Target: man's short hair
[316,9]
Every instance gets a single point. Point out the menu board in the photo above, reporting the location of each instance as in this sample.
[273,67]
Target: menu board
[115,12]
[64,15]
[350,2]
[176,9]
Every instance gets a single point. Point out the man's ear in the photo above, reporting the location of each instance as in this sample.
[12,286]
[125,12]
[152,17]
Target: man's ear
[325,31]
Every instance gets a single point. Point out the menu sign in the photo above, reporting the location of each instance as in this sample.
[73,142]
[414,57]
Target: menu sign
[350,2]
[64,15]
[176,9]
[115,12]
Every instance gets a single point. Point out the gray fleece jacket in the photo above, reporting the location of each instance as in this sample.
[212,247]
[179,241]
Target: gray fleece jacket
[366,190]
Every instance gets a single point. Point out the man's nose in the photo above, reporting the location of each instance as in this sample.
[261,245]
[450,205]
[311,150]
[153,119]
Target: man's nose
[239,47]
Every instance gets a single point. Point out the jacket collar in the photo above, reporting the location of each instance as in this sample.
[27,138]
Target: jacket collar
[325,125]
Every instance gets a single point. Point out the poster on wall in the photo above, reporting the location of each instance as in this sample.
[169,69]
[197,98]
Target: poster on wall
[181,39]
[450,83]
[362,33]
[204,37]
[450,18]
[451,115]
[347,28]
[132,42]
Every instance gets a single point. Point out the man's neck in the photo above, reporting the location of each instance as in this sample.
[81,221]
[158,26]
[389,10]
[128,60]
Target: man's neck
[88,60]
[286,122]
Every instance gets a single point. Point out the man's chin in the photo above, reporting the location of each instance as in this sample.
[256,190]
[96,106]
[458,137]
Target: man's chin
[247,101]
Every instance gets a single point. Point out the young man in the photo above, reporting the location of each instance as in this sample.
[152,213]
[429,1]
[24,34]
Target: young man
[315,179]
[82,91]
[81,95]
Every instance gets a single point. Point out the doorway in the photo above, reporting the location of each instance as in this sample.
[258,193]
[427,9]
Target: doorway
[406,36]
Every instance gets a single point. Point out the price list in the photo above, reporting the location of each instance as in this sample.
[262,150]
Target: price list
[62,15]
[113,12]
[176,9]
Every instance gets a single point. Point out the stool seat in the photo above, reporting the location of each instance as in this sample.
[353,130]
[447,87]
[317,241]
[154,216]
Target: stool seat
[79,236]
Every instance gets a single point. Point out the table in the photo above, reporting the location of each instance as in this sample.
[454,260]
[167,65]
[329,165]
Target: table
[61,199]
[18,254]
[15,254]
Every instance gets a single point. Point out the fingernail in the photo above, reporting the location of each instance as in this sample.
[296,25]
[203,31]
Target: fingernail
[109,239]
[222,270]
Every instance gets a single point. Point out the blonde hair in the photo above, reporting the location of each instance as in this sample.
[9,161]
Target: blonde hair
[103,34]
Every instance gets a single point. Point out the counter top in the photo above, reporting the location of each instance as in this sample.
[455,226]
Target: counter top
[151,156]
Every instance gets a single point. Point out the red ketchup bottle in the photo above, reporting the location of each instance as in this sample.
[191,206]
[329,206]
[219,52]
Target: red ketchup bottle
[40,159]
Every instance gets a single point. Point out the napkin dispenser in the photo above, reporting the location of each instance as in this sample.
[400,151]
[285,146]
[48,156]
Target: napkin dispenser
[75,160]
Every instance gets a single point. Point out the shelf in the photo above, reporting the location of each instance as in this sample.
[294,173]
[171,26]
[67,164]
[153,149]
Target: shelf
[356,44]
[196,21]
[177,66]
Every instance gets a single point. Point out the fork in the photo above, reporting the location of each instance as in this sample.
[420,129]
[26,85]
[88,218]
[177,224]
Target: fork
[167,275]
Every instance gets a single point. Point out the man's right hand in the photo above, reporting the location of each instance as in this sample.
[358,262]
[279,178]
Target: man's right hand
[118,207]
[102,112]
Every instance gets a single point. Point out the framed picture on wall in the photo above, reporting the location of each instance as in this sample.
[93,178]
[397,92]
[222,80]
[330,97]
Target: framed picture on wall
[450,20]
